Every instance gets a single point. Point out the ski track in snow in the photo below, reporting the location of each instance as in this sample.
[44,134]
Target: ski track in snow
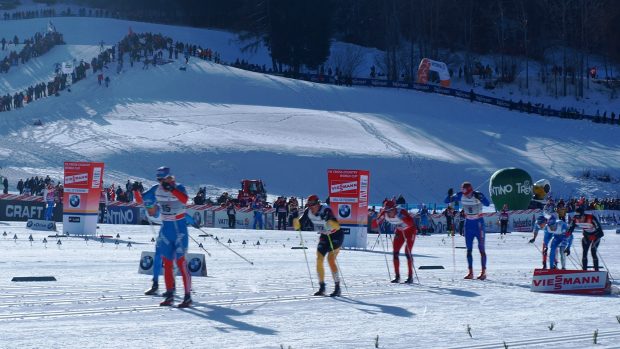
[271,303]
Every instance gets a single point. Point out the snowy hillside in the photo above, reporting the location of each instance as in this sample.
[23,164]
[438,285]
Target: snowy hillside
[215,124]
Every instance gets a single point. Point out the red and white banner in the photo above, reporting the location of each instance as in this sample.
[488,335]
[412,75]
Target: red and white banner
[348,199]
[570,281]
[82,190]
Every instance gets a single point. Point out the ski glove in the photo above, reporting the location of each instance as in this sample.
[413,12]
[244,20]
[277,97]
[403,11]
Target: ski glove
[167,186]
[478,195]
[567,251]
[450,192]
[532,240]
[296,224]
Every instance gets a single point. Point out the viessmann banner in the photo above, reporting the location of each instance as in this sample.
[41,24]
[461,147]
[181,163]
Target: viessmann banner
[83,182]
[348,197]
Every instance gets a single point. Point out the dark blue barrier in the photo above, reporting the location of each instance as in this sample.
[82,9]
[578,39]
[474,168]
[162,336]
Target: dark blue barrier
[15,210]
[122,215]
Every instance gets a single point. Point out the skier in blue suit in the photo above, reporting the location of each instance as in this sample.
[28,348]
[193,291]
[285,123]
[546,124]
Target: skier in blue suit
[472,202]
[562,240]
[173,239]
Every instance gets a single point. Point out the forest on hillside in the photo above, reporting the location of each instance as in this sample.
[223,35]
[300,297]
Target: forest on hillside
[299,33]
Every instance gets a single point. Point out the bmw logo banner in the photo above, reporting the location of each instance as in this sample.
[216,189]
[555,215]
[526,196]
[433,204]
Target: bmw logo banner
[196,264]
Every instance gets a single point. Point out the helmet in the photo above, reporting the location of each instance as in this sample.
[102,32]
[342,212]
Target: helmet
[581,207]
[389,205]
[580,210]
[541,220]
[541,188]
[466,188]
[552,221]
[313,200]
[163,172]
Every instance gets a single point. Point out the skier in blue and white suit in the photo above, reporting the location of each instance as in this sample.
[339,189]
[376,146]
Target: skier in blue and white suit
[541,224]
[561,240]
[173,240]
[472,202]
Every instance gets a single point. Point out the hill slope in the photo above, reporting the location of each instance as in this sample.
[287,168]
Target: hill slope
[216,124]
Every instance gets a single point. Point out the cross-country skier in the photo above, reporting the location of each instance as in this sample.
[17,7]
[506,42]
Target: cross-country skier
[401,223]
[315,216]
[540,224]
[173,237]
[592,234]
[561,240]
[472,202]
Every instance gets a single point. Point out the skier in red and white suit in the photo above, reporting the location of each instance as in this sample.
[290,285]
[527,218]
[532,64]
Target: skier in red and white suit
[398,221]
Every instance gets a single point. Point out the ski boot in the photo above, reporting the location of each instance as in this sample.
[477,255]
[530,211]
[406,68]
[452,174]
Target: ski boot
[470,275]
[153,290]
[409,280]
[168,300]
[321,291]
[336,292]
[396,280]
[169,292]
[483,275]
[187,301]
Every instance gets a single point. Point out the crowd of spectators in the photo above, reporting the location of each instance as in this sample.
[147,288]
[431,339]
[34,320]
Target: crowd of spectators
[123,193]
[33,47]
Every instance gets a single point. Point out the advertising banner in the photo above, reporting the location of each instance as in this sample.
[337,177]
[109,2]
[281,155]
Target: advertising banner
[570,281]
[83,185]
[244,218]
[122,215]
[13,210]
[348,198]
[196,264]
[38,224]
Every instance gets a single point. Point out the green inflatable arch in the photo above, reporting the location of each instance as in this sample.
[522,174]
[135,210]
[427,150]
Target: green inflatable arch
[512,187]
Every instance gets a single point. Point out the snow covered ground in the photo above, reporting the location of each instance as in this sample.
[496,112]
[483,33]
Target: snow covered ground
[98,301]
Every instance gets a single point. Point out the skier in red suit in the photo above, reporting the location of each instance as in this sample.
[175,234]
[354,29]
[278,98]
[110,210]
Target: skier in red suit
[398,221]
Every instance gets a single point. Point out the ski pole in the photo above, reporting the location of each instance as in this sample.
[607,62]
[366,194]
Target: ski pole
[221,243]
[387,265]
[412,262]
[453,254]
[605,264]
[303,247]
[191,221]
[199,244]
[331,245]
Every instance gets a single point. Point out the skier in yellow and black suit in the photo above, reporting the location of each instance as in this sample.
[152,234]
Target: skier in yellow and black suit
[320,217]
